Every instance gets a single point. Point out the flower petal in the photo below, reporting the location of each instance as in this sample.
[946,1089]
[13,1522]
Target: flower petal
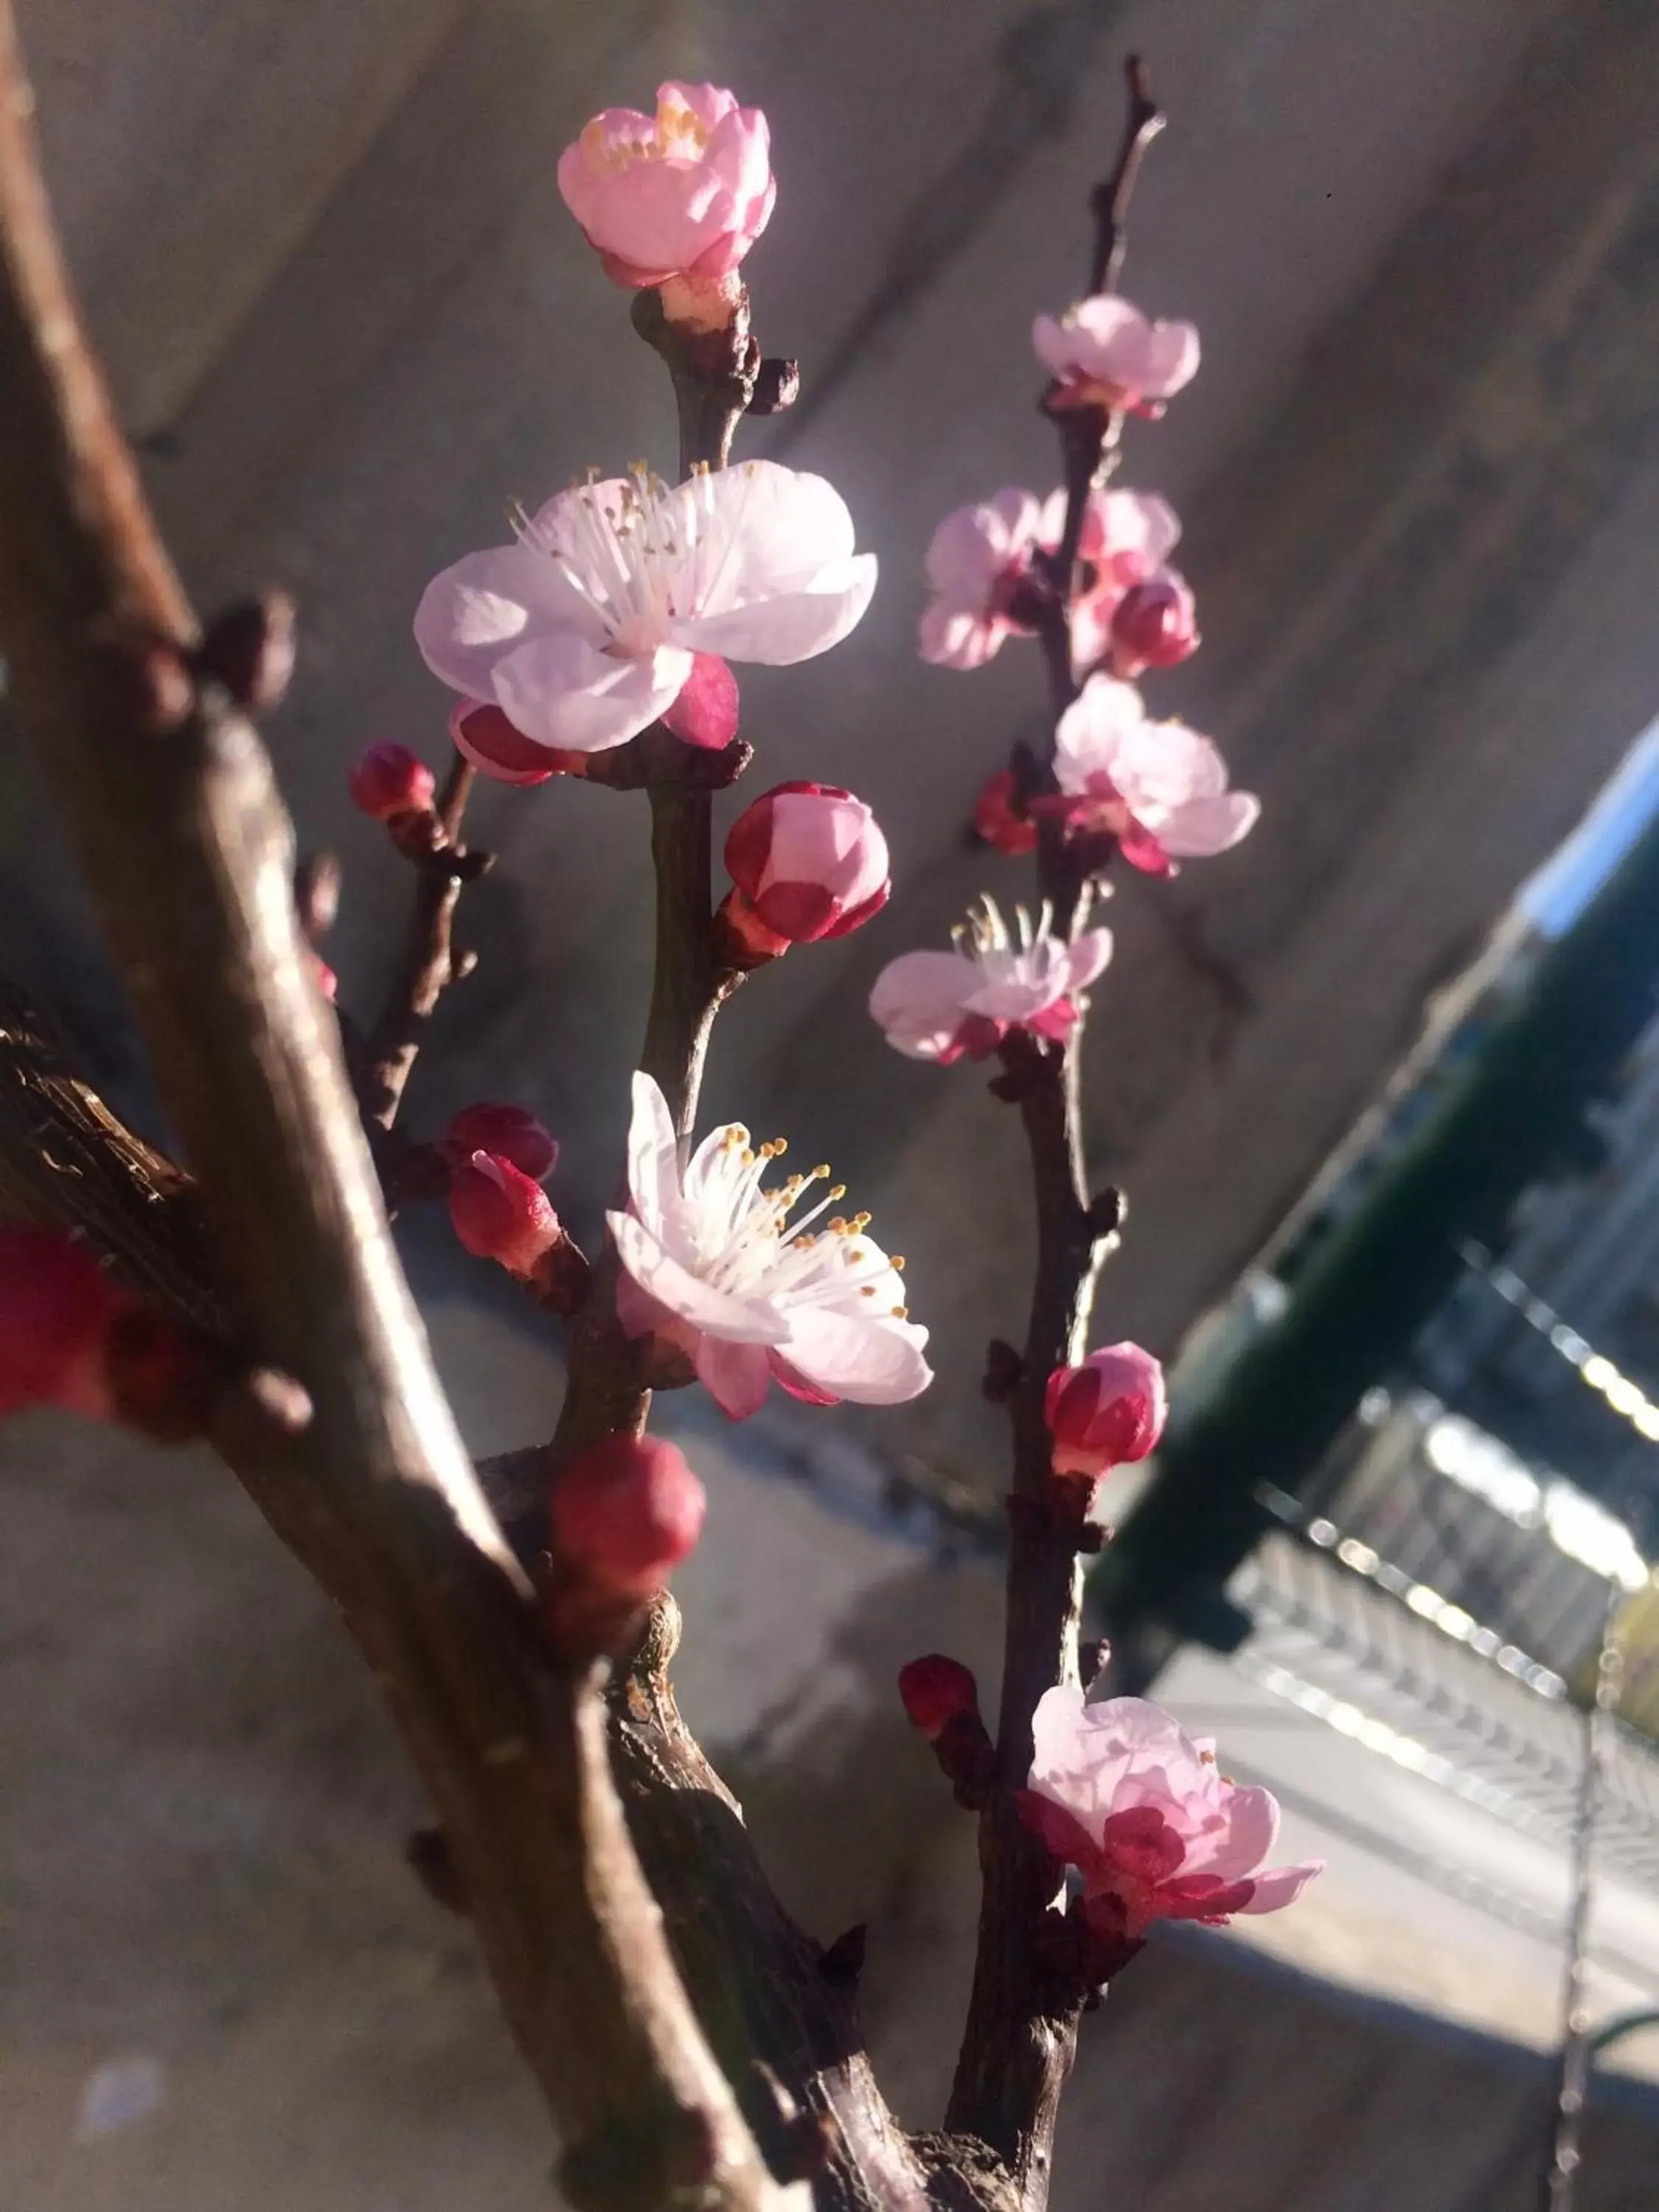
[653,1173]
[741,1320]
[736,1377]
[1281,1885]
[789,625]
[471,616]
[920,999]
[873,1362]
[559,689]
[1206,826]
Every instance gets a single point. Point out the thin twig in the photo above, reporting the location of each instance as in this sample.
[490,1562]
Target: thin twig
[429,962]
[169,798]
[1020,2036]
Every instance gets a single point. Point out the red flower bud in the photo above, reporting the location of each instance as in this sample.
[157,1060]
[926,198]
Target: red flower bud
[500,1213]
[706,712]
[995,820]
[389,780]
[1106,1412]
[809,861]
[1154,625]
[56,1306]
[483,736]
[937,1690]
[626,1512]
[327,981]
[507,1132]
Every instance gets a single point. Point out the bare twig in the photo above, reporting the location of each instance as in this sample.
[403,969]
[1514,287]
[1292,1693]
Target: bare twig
[429,962]
[169,798]
[1020,2037]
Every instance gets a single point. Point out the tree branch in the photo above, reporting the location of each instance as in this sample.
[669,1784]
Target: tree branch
[1020,2037]
[169,799]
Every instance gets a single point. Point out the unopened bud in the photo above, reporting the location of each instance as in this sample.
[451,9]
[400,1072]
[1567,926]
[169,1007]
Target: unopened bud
[996,820]
[388,779]
[500,1213]
[1107,1412]
[625,1513]
[937,1690]
[809,861]
[1154,625]
[509,1133]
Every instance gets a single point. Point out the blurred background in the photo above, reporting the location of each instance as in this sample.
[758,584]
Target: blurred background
[1382,1085]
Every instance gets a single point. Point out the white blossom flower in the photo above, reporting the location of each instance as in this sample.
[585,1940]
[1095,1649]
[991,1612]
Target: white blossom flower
[713,1260]
[944,1005]
[584,631]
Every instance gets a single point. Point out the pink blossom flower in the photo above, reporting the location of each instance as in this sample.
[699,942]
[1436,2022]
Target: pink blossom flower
[387,780]
[684,192]
[809,861]
[1119,1792]
[942,1006]
[56,1307]
[625,1512]
[1158,787]
[982,570]
[585,630]
[713,1263]
[1104,352]
[1107,1412]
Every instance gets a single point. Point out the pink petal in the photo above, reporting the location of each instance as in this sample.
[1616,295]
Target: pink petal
[706,712]
[789,625]
[1279,1886]
[870,1363]
[736,1376]
[558,690]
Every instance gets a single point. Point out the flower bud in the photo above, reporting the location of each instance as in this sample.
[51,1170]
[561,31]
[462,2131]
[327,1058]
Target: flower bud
[1106,1412]
[507,1133]
[809,861]
[1154,625]
[995,821]
[500,1213]
[56,1306]
[685,190]
[389,780]
[937,1690]
[625,1513]
[483,735]
[705,714]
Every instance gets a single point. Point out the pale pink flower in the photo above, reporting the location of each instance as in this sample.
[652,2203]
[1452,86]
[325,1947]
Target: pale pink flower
[809,861]
[586,628]
[1118,1790]
[1104,352]
[1158,787]
[1107,1412]
[685,192]
[713,1263]
[944,1005]
[982,562]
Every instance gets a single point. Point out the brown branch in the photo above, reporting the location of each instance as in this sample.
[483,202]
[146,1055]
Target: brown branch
[429,963]
[68,1163]
[1020,2037]
[169,799]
